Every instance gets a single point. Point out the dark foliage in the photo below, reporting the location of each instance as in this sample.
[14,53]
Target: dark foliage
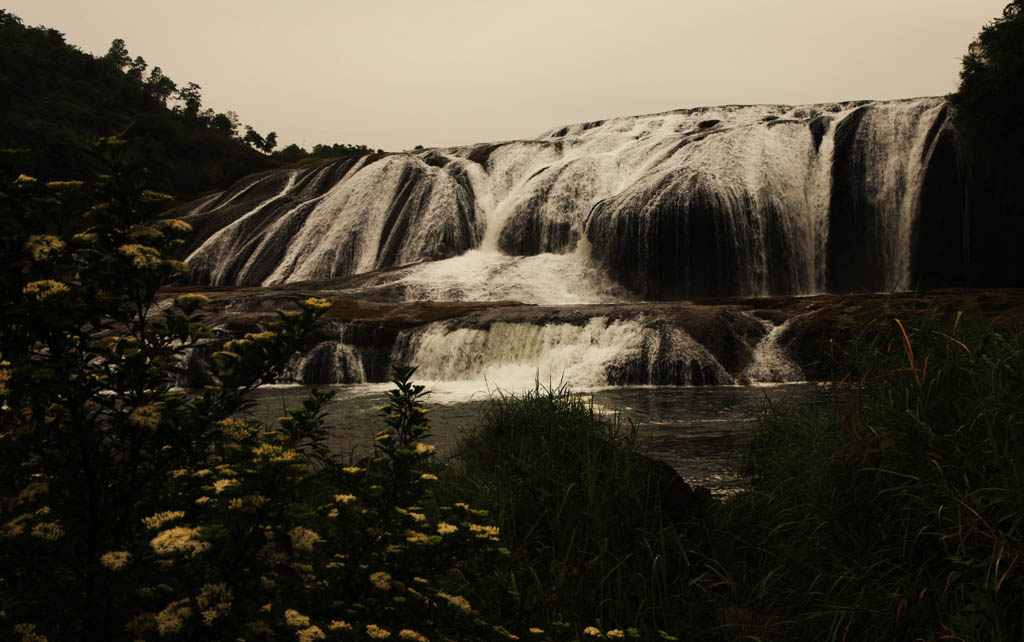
[990,105]
[55,99]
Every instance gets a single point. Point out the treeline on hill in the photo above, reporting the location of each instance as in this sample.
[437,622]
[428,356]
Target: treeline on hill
[990,119]
[56,100]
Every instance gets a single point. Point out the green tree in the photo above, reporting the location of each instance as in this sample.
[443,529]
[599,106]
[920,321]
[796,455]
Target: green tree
[136,69]
[253,138]
[160,86]
[269,143]
[192,99]
[117,55]
[991,91]
[132,510]
[990,114]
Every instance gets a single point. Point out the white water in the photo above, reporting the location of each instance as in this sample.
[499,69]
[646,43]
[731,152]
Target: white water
[545,279]
[526,189]
[214,253]
[517,356]
[770,363]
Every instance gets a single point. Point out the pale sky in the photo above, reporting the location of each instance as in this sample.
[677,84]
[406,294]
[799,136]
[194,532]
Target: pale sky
[398,73]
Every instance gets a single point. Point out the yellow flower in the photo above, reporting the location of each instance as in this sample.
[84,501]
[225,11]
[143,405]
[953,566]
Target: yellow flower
[260,336]
[592,631]
[339,625]
[214,600]
[376,632]
[303,539]
[428,477]
[381,581]
[221,484]
[234,428]
[154,522]
[310,634]
[444,528]
[150,195]
[457,601]
[236,345]
[50,531]
[146,416]
[28,633]
[145,233]
[174,224]
[115,560]
[64,184]
[414,537]
[203,500]
[616,634]
[173,617]
[295,619]
[409,634]
[43,289]
[352,470]
[485,532]
[424,449]
[43,246]
[191,300]
[180,539]
[536,631]
[317,304]
[142,256]
[344,499]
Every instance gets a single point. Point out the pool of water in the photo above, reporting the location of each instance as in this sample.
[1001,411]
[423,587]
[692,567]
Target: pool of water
[700,431]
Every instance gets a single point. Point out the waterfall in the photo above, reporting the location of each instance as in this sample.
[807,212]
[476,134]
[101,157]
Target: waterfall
[732,200]
[770,362]
[599,352]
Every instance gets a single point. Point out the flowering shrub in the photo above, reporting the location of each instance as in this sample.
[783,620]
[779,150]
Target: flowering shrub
[130,509]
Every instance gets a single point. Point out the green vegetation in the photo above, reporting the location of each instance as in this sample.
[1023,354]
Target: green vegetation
[151,513]
[893,514]
[55,100]
[990,117]
[134,511]
[593,541]
[897,514]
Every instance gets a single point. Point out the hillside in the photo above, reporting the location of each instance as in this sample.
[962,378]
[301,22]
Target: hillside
[56,99]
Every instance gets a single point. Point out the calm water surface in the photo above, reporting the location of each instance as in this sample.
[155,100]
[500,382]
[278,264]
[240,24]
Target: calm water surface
[699,431]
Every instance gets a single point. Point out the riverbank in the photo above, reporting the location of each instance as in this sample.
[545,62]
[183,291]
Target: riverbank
[892,514]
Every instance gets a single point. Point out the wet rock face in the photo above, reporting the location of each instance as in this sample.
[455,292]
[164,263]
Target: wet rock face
[868,199]
[710,343]
[732,200]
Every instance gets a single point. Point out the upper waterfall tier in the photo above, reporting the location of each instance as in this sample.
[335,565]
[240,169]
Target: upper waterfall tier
[732,200]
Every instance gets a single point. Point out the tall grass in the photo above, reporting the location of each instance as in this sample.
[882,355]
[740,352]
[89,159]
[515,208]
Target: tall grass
[581,512]
[892,514]
[896,514]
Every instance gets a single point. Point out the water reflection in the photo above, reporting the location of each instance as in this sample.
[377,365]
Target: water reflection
[699,431]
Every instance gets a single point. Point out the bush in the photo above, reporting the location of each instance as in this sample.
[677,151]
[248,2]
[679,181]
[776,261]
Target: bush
[583,514]
[133,510]
[896,513]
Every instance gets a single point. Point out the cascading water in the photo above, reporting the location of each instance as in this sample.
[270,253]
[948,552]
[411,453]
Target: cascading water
[733,200]
[770,363]
[599,352]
